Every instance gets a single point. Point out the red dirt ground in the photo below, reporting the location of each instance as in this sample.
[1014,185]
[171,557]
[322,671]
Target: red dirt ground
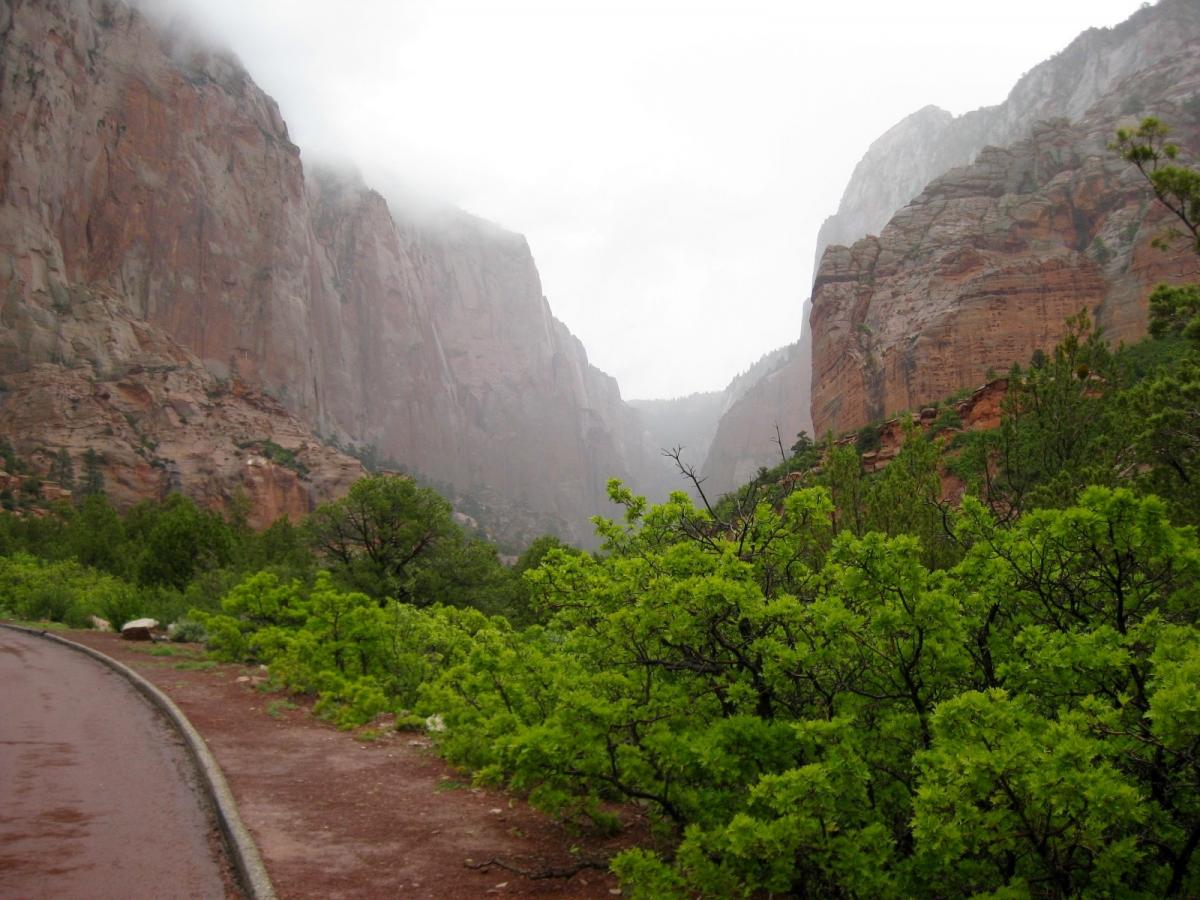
[335,816]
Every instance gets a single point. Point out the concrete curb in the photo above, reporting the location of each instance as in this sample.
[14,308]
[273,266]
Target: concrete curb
[242,850]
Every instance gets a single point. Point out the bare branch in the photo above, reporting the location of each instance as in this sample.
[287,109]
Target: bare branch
[539,874]
[689,472]
[779,441]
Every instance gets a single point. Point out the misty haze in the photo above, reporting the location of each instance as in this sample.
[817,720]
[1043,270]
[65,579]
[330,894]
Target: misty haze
[563,448]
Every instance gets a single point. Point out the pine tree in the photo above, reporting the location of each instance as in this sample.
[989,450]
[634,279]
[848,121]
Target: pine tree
[93,477]
[62,470]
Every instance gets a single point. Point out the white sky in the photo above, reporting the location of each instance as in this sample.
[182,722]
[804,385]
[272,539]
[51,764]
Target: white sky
[670,161]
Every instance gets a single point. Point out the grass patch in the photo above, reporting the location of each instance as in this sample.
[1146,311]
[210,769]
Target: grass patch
[194,665]
[40,625]
[276,708]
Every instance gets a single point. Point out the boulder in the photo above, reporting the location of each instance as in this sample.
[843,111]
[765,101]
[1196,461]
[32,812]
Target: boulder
[139,630]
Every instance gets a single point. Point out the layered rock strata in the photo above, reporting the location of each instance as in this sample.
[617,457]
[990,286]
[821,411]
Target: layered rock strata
[931,141]
[986,264]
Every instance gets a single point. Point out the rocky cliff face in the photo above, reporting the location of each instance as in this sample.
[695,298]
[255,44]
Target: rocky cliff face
[931,141]
[895,169]
[984,266]
[1099,67]
[139,163]
[160,420]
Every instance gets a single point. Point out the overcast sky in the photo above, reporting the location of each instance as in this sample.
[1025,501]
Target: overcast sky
[670,161]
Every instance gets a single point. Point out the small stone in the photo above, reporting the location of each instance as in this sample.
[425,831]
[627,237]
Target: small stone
[242,679]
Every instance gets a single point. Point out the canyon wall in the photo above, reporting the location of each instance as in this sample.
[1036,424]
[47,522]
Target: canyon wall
[892,326]
[957,303]
[773,394]
[727,435]
[931,141]
[984,266]
[140,164]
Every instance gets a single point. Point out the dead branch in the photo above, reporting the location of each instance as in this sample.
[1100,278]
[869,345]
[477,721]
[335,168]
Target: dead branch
[689,472]
[539,874]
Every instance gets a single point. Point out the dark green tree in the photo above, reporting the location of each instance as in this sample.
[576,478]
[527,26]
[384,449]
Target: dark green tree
[1173,309]
[173,541]
[93,474]
[96,536]
[62,469]
[382,534]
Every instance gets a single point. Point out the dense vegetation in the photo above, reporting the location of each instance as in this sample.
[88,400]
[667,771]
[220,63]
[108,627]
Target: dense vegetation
[828,683]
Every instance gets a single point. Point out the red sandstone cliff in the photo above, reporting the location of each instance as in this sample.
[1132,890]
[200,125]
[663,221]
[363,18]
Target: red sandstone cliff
[986,264]
[138,163]
[894,170]
[161,421]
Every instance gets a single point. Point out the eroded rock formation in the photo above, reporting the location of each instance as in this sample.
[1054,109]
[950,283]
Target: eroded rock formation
[984,267]
[162,422]
[931,141]
[775,396]
[1103,68]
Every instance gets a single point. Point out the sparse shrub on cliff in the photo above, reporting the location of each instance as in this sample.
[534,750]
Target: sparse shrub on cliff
[948,419]
[868,438]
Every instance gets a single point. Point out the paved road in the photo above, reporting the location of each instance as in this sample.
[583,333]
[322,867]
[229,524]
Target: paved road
[97,796]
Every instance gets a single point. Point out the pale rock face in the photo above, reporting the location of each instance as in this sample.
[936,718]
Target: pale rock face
[143,165]
[984,267]
[931,141]
[931,304]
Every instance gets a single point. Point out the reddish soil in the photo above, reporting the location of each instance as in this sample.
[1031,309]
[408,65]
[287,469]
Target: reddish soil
[337,816]
[98,797]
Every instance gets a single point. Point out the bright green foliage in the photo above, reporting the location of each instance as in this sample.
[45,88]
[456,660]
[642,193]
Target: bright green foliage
[65,591]
[828,684]
[831,717]
[1010,799]
[358,657]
